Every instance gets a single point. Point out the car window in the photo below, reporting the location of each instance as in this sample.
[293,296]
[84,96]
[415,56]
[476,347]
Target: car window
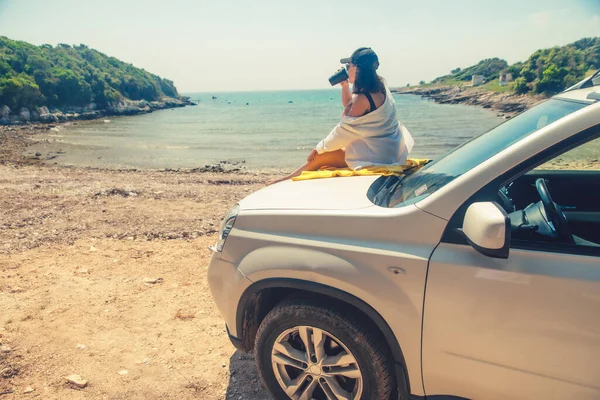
[466,157]
[573,181]
[582,158]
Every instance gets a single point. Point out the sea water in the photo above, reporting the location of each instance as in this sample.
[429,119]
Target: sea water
[263,130]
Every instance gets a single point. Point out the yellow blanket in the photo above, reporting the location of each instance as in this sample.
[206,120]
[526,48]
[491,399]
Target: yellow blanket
[399,170]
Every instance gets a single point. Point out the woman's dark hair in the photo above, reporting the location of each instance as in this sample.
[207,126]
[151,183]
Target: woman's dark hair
[367,80]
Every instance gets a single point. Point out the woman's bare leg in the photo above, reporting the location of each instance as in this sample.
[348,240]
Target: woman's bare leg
[335,159]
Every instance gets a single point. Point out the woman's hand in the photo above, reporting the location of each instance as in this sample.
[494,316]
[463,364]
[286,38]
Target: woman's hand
[312,156]
[345,83]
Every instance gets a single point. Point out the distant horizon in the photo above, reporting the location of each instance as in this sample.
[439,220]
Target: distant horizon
[232,46]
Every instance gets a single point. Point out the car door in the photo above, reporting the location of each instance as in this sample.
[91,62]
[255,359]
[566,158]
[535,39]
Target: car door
[526,327]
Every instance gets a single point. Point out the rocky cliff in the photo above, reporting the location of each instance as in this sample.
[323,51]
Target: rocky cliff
[506,104]
[43,114]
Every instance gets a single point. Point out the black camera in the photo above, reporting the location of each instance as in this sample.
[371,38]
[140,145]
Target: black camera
[340,75]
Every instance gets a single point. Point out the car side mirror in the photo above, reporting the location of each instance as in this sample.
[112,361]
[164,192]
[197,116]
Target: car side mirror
[487,228]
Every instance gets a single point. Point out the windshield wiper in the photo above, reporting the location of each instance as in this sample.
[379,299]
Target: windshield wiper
[381,192]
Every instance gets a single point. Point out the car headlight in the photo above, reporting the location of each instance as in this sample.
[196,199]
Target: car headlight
[226,227]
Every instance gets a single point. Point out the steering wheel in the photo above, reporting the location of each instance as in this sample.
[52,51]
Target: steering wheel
[553,213]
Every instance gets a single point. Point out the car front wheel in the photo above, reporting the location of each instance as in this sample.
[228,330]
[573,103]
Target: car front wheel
[308,350]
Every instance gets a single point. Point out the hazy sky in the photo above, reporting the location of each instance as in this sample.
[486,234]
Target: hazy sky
[222,45]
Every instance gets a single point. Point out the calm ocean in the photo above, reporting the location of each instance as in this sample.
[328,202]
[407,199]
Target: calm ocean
[264,129]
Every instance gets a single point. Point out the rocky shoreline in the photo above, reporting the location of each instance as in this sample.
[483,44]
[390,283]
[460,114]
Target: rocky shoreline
[507,105]
[91,111]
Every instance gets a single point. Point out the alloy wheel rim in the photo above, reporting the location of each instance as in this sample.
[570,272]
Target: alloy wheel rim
[311,363]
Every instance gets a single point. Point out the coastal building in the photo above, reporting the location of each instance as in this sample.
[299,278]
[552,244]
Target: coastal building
[477,80]
[505,78]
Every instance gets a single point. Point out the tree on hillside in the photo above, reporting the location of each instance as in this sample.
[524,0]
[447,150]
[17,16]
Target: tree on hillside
[546,71]
[490,68]
[515,69]
[520,85]
[549,71]
[19,91]
[71,76]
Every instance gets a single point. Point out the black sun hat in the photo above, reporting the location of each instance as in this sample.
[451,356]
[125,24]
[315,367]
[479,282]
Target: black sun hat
[361,56]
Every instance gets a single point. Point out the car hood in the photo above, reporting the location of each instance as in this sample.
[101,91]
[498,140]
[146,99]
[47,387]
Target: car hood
[348,193]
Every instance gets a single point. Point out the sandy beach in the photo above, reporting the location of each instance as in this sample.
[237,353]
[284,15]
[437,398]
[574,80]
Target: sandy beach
[103,275]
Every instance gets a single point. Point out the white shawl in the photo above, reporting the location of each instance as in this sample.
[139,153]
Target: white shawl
[375,139]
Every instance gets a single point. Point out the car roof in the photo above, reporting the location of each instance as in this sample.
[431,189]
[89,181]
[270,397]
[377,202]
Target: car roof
[587,90]
[587,95]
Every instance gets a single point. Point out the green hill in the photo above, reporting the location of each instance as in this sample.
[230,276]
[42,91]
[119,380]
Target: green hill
[72,76]
[490,68]
[546,71]
[551,70]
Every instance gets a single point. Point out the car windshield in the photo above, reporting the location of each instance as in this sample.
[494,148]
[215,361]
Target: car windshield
[437,174]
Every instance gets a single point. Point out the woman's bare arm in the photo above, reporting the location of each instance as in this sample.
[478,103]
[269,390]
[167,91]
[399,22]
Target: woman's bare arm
[346,93]
[357,107]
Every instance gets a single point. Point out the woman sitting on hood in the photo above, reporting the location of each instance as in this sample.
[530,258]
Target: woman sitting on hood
[369,133]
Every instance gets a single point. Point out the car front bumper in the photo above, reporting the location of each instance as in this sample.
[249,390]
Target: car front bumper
[237,343]
[227,284]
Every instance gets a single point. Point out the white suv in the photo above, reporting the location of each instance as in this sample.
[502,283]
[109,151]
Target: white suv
[463,279]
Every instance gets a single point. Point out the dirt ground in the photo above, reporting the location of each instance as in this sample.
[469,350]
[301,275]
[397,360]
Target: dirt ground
[103,275]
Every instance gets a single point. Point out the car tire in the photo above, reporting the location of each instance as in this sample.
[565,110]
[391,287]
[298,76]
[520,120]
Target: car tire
[352,354]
